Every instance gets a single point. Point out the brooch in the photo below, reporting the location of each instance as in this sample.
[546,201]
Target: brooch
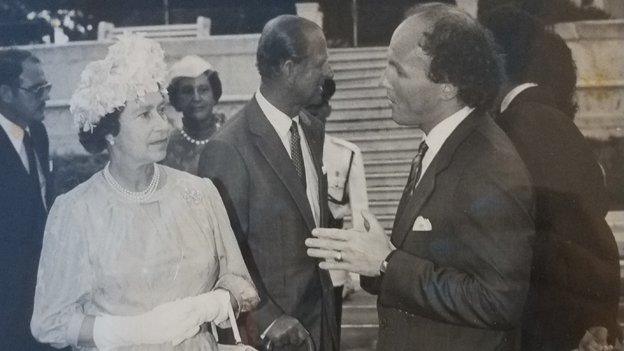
[192,196]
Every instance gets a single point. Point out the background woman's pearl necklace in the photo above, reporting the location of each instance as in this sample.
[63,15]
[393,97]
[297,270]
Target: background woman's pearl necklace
[193,140]
[133,195]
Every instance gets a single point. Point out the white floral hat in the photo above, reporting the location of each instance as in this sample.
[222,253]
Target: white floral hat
[134,67]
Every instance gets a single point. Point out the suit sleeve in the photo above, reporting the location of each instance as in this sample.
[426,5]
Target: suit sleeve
[224,165]
[494,228]
[64,277]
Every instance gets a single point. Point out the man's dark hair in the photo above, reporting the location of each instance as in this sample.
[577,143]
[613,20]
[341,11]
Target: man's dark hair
[515,32]
[534,54]
[462,54]
[283,38]
[553,65]
[213,80]
[11,61]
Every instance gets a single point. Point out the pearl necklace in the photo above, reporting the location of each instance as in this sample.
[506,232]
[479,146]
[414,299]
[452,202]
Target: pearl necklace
[138,196]
[193,140]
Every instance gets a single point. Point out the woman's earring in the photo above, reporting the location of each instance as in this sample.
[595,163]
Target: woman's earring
[110,140]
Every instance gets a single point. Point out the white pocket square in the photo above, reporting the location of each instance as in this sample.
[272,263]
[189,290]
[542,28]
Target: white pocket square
[421,224]
[323,170]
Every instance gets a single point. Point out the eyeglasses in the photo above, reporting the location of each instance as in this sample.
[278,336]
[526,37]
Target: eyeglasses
[38,91]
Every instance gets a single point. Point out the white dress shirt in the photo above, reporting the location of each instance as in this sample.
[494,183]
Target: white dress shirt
[513,93]
[281,123]
[438,135]
[16,136]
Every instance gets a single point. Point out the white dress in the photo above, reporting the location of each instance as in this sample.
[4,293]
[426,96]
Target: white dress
[104,254]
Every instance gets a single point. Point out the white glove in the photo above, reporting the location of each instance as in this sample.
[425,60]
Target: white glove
[213,306]
[172,321]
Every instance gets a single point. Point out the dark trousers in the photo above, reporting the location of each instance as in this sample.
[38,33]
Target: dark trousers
[338,302]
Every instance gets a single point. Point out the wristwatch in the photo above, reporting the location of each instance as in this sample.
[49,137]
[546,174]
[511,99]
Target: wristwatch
[384,264]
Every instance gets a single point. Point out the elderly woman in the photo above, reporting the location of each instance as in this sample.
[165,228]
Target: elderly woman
[140,256]
[194,89]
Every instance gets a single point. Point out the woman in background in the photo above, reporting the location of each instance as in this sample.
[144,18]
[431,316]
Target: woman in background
[140,256]
[194,89]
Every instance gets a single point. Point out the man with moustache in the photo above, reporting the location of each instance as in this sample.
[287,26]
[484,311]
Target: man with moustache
[455,274]
[25,192]
[267,164]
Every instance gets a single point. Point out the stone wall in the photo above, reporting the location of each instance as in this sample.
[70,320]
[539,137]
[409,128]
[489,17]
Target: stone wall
[598,49]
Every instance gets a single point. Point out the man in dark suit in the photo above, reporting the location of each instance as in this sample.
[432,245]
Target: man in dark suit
[575,282]
[455,274]
[25,192]
[266,162]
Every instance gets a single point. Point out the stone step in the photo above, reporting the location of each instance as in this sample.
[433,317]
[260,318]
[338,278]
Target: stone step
[368,81]
[358,72]
[349,122]
[376,111]
[359,322]
[375,63]
[363,338]
[384,193]
[359,103]
[357,54]
[386,179]
[359,93]
[399,152]
[356,133]
[385,207]
[389,165]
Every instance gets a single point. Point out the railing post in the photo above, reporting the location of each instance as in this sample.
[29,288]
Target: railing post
[354,16]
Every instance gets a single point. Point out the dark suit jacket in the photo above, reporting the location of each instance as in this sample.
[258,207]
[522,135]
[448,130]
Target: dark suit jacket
[461,285]
[22,221]
[271,217]
[576,274]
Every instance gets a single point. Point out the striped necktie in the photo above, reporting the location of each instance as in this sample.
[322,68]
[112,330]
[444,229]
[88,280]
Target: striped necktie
[295,152]
[416,169]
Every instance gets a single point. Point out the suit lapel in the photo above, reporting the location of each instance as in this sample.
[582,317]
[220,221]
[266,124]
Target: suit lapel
[271,147]
[411,206]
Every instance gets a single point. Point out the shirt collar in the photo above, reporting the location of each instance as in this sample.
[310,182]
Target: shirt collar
[278,119]
[15,132]
[513,93]
[438,135]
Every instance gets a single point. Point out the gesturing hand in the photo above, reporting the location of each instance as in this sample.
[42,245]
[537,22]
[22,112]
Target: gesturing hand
[286,330]
[351,250]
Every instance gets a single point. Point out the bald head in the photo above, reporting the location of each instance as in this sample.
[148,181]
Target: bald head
[283,38]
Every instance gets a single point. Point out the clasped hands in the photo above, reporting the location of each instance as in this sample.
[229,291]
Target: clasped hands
[171,322]
[355,251]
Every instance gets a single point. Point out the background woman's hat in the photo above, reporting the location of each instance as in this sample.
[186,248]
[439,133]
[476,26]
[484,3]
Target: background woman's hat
[190,66]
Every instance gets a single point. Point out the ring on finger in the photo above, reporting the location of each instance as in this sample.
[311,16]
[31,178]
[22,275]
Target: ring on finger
[339,256]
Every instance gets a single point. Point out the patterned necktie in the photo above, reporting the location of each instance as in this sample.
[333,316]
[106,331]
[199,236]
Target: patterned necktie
[416,169]
[295,152]
[32,161]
